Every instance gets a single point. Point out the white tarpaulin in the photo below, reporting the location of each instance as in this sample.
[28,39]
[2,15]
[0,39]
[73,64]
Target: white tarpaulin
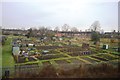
[16,50]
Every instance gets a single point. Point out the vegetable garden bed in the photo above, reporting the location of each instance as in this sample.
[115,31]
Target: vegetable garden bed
[46,57]
[71,49]
[74,60]
[99,58]
[46,63]
[23,59]
[80,53]
[64,64]
[31,59]
[106,56]
[89,59]
[47,47]
[115,63]
[34,65]
[61,61]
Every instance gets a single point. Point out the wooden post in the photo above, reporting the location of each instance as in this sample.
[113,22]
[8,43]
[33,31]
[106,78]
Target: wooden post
[97,45]
[16,57]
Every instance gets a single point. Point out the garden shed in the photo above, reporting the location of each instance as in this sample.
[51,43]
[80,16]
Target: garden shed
[105,46]
[30,45]
[45,51]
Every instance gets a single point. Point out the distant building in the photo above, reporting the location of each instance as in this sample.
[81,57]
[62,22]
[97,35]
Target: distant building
[58,34]
[74,34]
[111,35]
[14,32]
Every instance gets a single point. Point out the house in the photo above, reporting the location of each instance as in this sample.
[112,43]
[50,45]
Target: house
[73,34]
[58,34]
[14,32]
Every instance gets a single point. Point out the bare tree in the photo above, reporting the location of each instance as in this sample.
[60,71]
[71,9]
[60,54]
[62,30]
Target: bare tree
[102,31]
[29,34]
[95,26]
[56,28]
[45,31]
[65,27]
[0,30]
[74,29]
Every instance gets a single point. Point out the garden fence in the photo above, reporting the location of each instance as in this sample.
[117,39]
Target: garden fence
[12,71]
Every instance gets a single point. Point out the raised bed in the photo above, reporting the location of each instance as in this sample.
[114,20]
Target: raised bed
[99,58]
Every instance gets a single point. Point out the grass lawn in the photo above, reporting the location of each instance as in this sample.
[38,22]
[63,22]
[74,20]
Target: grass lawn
[7,58]
[0,56]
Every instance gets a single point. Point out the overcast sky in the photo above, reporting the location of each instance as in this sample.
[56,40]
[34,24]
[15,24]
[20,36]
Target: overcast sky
[52,13]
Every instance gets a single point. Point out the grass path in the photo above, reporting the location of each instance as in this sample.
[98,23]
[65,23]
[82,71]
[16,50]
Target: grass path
[0,56]
[7,58]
